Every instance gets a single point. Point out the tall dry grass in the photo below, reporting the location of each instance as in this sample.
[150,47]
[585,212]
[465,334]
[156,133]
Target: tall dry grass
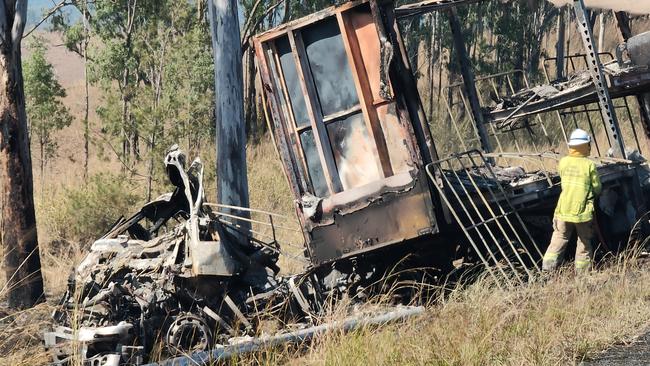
[561,321]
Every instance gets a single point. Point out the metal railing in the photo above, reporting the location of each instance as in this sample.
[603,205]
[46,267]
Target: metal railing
[494,86]
[263,229]
[472,192]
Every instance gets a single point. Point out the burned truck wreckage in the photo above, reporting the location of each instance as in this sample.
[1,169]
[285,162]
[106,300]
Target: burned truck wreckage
[190,280]
[381,195]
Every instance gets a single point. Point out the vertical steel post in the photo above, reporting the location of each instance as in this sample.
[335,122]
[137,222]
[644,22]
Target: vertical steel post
[596,70]
[623,24]
[232,180]
[559,46]
[469,80]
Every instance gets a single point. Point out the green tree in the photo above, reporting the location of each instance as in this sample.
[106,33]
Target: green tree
[175,99]
[154,68]
[45,109]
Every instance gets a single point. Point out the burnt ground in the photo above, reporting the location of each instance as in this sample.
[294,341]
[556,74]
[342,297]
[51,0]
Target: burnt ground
[635,354]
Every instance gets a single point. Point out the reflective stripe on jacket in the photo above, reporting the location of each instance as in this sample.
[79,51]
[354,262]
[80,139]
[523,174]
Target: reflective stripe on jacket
[580,185]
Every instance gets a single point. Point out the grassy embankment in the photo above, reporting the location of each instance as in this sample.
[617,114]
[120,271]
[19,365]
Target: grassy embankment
[559,322]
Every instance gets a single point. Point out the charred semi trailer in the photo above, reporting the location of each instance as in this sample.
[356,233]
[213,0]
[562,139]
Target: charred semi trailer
[369,186]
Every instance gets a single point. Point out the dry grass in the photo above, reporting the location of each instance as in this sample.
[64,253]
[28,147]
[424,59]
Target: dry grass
[560,322]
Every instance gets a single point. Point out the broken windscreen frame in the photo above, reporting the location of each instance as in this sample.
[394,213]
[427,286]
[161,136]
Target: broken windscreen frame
[346,133]
[292,82]
[328,63]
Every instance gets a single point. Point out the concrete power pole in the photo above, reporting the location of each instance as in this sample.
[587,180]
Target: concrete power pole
[232,181]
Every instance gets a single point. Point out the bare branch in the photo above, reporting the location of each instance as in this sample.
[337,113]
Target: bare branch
[248,32]
[49,13]
[118,156]
[251,15]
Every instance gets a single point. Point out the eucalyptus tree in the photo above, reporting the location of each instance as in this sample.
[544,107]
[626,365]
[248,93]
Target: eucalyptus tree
[18,227]
[45,109]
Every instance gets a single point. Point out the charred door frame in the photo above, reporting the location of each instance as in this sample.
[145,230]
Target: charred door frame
[403,97]
[263,43]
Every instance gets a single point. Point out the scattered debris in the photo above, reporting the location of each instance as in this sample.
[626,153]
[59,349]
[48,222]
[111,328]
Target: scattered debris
[175,273]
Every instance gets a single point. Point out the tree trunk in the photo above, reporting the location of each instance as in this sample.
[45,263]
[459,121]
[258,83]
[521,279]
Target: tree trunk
[41,143]
[86,96]
[533,60]
[232,180]
[22,259]
[469,80]
[287,11]
[430,69]
[126,147]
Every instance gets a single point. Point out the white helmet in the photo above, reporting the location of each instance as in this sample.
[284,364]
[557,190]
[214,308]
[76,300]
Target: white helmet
[579,137]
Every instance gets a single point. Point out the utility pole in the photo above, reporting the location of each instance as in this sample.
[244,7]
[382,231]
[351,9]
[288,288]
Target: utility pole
[22,262]
[232,180]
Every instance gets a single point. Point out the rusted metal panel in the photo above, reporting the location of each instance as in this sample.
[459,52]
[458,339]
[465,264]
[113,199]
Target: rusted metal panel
[318,129]
[271,95]
[399,216]
[360,79]
[292,130]
[368,41]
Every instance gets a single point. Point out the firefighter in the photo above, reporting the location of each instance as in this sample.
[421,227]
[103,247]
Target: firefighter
[575,208]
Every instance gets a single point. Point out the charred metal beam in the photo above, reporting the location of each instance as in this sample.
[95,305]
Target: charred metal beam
[559,46]
[428,6]
[598,77]
[221,353]
[469,80]
[623,86]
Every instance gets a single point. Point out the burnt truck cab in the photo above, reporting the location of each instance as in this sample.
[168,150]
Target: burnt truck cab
[346,117]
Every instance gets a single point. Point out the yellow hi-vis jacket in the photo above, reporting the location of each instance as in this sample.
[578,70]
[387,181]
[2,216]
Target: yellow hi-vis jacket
[580,186]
